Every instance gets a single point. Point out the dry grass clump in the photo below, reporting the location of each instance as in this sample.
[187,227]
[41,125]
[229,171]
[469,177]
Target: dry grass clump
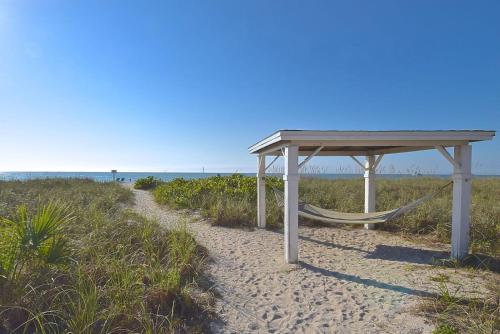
[74,260]
[455,314]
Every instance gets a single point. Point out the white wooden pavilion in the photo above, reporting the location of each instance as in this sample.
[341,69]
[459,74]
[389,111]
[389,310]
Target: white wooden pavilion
[373,145]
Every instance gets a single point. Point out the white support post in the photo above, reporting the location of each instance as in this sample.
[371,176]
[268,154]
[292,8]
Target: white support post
[291,178]
[370,187]
[261,191]
[461,202]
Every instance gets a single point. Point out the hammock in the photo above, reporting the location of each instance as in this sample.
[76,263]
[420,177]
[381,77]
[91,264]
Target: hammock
[330,216]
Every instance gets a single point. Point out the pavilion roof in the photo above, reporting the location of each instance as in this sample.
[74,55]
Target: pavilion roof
[346,143]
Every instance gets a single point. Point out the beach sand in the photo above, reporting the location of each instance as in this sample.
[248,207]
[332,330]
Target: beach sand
[347,280]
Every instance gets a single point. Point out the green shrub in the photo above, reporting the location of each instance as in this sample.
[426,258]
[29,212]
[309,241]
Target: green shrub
[444,329]
[146,183]
[228,200]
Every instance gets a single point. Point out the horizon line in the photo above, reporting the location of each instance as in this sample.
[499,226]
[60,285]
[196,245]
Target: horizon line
[235,172]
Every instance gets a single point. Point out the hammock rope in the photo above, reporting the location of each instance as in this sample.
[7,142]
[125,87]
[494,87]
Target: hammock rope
[336,217]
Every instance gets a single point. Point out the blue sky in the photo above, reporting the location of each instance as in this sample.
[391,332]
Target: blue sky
[177,85]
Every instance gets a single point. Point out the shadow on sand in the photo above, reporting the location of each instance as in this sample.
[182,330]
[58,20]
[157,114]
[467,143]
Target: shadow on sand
[366,281]
[332,245]
[417,255]
[390,253]
[406,254]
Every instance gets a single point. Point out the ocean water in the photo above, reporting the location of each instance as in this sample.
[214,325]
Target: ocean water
[104,176]
[132,176]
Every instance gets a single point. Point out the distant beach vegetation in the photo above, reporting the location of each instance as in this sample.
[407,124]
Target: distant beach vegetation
[146,183]
[231,201]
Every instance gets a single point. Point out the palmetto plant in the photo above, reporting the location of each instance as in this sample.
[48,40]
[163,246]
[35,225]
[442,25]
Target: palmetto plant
[30,239]
[126,274]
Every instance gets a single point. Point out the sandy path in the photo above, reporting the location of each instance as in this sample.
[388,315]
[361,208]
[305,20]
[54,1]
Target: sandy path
[348,281]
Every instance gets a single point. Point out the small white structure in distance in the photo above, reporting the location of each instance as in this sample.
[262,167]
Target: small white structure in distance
[372,145]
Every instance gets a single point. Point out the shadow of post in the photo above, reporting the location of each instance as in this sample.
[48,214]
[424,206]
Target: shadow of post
[390,253]
[366,281]
[406,254]
[331,244]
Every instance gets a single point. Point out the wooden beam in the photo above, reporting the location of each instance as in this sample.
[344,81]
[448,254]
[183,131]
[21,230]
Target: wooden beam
[272,162]
[332,153]
[400,149]
[276,147]
[357,161]
[377,161]
[372,143]
[310,156]
[448,156]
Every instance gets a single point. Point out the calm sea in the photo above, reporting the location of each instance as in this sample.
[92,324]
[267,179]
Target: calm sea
[132,176]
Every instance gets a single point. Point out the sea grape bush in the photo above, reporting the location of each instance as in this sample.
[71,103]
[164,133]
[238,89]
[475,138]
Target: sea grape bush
[228,200]
[146,183]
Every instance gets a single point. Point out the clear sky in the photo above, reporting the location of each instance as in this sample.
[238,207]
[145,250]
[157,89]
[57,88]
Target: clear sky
[178,85]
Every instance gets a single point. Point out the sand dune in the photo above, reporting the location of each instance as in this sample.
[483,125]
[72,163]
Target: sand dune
[348,281]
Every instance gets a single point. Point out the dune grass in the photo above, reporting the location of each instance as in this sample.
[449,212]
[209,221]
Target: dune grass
[231,201]
[455,313]
[432,217]
[74,260]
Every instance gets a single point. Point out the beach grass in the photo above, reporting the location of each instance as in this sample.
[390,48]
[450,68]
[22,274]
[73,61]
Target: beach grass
[455,313]
[74,259]
[231,201]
